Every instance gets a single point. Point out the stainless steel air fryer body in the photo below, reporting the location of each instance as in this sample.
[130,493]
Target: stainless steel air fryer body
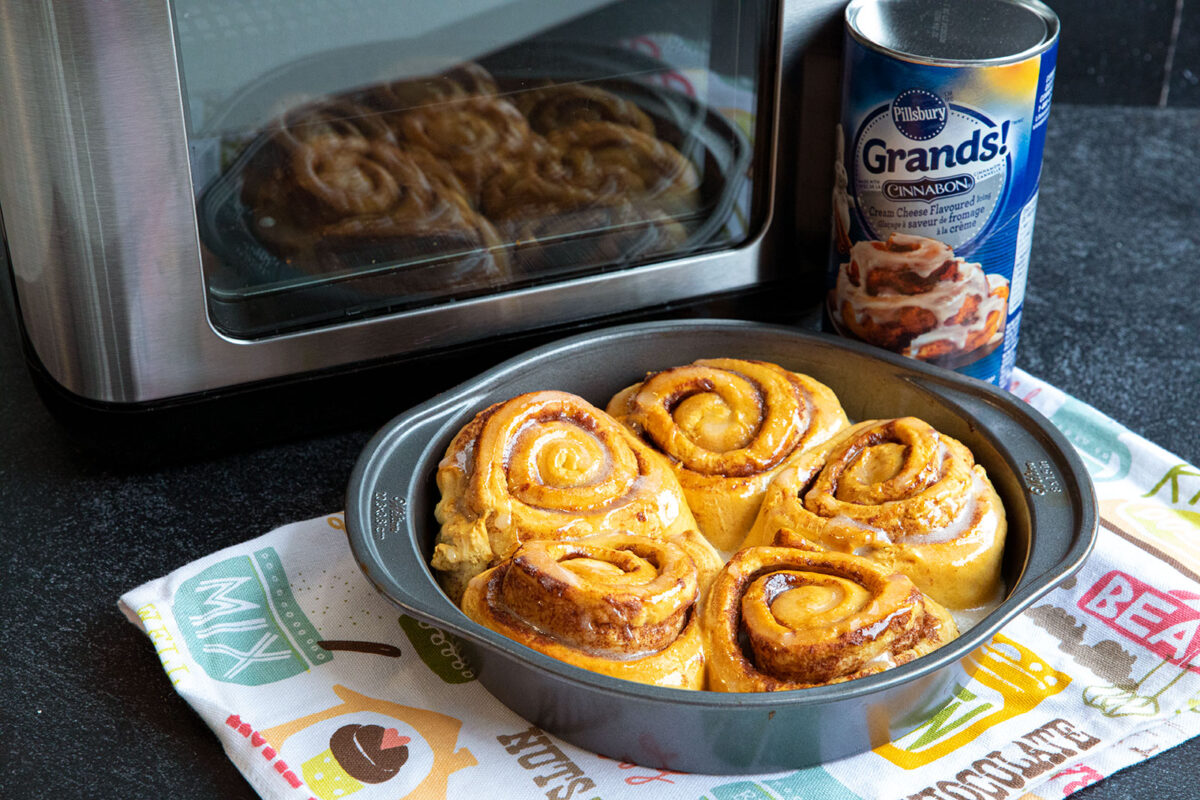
[100,194]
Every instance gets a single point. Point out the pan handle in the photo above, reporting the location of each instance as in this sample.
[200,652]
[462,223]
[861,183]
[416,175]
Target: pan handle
[1044,482]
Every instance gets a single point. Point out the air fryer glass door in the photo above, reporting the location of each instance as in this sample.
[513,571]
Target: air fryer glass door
[350,159]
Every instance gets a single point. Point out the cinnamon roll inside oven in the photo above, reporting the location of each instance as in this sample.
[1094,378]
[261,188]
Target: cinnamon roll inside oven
[901,494]
[546,465]
[473,135]
[728,427]
[555,106]
[596,193]
[331,202]
[612,159]
[394,97]
[613,603]
[439,182]
[780,618]
[335,117]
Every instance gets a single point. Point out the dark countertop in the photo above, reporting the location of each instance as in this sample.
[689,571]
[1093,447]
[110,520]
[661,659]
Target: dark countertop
[1112,317]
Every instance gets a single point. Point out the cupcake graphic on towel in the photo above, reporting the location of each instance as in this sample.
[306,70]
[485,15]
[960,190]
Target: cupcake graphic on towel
[357,755]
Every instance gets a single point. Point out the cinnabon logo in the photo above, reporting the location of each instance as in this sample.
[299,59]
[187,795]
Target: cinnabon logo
[928,189]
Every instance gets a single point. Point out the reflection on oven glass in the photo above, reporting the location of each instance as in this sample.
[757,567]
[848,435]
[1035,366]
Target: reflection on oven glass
[451,171]
[365,179]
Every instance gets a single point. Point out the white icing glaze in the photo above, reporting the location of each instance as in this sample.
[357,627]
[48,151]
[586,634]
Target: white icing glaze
[906,253]
[963,522]
[944,300]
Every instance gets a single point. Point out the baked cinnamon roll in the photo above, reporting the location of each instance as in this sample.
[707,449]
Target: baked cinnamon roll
[337,118]
[913,296]
[556,106]
[610,160]
[534,187]
[332,202]
[901,494]
[397,96]
[321,162]
[555,215]
[780,618]
[546,465]
[728,426]
[614,603]
[473,135]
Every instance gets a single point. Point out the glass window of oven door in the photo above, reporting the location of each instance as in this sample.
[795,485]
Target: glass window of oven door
[353,158]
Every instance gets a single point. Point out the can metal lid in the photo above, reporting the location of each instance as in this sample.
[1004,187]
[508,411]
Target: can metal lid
[954,32]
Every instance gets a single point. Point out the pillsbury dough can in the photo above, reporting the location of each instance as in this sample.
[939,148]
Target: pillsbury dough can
[939,153]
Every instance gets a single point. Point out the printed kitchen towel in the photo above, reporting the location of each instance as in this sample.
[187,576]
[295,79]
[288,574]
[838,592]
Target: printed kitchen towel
[300,667]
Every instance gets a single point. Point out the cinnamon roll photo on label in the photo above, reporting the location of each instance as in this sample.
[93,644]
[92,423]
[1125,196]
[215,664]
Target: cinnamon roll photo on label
[780,618]
[546,465]
[903,495]
[727,428]
[613,603]
[913,296]
[938,161]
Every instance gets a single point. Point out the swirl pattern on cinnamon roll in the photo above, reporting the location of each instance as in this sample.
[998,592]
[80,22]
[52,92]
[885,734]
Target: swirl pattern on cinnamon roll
[474,135]
[556,106]
[780,618]
[901,494]
[337,118]
[546,465]
[610,159]
[331,196]
[728,426]
[397,96]
[558,208]
[613,603]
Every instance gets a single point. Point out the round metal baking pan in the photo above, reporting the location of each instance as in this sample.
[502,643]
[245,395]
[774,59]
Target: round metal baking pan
[1048,496]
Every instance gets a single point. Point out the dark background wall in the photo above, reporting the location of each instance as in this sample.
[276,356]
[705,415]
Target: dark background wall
[1128,52]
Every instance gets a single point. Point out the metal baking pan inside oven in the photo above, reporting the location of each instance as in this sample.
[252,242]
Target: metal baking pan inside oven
[257,289]
[390,520]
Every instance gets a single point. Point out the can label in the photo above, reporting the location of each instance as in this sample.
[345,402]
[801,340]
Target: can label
[935,193]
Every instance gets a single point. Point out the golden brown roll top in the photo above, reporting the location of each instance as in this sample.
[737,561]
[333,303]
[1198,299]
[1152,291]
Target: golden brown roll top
[781,618]
[613,603]
[728,426]
[902,494]
[546,465]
